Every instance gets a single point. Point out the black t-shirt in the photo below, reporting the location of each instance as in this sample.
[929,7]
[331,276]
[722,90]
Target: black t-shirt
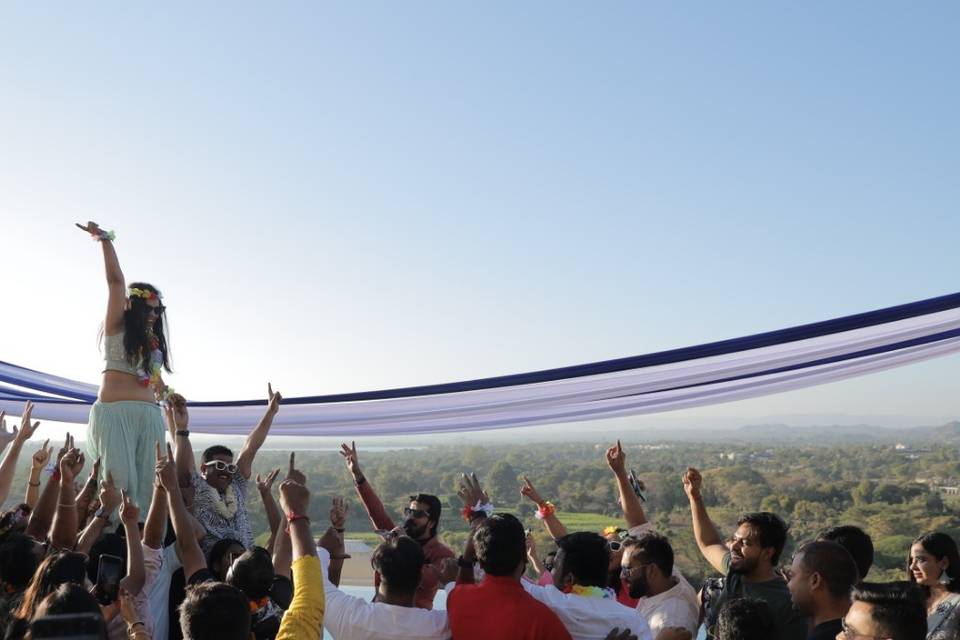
[826,631]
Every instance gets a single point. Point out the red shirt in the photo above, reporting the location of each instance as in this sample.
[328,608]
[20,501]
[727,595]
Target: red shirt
[499,609]
[433,550]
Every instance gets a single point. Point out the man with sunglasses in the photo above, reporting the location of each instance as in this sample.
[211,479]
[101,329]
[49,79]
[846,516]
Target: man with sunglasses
[893,611]
[421,520]
[665,598]
[220,500]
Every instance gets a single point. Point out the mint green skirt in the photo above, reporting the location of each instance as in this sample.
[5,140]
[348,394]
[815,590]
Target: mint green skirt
[124,435]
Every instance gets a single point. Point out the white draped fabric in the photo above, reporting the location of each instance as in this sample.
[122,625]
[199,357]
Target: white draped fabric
[678,379]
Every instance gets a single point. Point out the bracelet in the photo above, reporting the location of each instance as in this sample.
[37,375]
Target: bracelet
[545,510]
[338,530]
[66,504]
[293,517]
[185,433]
[103,234]
[479,510]
[34,484]
[340,556]
[133,624]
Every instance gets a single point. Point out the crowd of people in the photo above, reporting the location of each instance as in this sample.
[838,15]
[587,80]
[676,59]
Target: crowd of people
[188,566]
[152,545]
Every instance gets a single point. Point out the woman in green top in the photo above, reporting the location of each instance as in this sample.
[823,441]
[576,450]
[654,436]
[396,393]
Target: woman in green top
[125,422]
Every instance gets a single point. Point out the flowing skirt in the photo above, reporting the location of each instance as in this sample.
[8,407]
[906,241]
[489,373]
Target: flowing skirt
[123,435]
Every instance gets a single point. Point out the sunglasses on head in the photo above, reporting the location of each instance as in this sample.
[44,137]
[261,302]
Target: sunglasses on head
[220,465]
[414,513]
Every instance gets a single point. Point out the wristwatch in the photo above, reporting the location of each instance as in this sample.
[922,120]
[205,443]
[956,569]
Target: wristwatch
[102,513]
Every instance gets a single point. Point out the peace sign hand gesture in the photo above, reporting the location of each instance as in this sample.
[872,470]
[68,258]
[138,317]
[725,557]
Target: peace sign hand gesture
[265,484]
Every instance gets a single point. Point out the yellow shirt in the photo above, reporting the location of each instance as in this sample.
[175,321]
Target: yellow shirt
[304,619]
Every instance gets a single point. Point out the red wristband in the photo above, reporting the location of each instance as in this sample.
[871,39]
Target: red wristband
[293,517]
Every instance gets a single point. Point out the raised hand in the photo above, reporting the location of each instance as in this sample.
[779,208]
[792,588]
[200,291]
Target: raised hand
[294,497]
[91,227]
[110,497]
[265,484]
[42,455]
[166,470]
[449,569]
[471,492]
[350,457]
[273,400]
[617,459]
[67,445]
[6,437]
[26,428]
[530,492]
[129,512]
[531,545]
[338,512]
[90,486]
[692,483]
[616,634]
[70,465]
[175,409]
[295,474]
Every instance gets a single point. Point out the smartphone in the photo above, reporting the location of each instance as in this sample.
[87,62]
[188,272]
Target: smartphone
[68,626]
[637,485]
[108,579]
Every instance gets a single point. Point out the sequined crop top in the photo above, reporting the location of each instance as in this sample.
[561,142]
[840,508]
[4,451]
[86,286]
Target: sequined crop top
[115,355]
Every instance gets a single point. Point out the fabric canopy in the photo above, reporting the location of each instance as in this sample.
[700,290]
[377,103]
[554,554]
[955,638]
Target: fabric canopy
[706,374]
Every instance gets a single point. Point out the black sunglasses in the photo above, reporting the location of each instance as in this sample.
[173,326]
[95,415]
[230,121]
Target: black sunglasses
[159,309]
[416,513]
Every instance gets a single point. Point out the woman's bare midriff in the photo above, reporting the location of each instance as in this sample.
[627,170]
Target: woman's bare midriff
[117,386]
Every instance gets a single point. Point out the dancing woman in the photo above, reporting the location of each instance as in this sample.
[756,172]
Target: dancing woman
[126,422]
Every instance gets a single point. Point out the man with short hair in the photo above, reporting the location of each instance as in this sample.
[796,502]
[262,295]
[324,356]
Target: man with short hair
[666,599]
[215,611]
[821,577]
[893,611]
[580,595]
[421,521]
[856,541]
[748,563]
[399,561]
[745,619]
[498,608]
[220,499]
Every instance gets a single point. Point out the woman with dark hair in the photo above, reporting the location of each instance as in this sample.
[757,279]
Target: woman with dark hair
[125,422]
[57,569]
[934,564]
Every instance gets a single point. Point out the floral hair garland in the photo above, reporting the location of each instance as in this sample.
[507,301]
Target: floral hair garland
[134,292]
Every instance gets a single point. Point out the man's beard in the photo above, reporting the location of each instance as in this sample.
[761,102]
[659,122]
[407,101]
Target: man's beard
[743,565]
[412,530]
[639,588]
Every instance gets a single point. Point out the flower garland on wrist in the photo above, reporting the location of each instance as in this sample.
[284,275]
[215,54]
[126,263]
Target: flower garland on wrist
[103,234]
[545,510]
[485,508]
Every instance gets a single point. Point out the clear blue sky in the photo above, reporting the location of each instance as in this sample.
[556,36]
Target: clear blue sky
[355,196]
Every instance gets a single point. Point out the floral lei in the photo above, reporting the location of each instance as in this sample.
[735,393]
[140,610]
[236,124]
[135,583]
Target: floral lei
[591,592]
[150,375]
[226,505]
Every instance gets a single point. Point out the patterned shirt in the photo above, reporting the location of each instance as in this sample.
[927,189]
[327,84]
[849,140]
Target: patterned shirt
[218,527]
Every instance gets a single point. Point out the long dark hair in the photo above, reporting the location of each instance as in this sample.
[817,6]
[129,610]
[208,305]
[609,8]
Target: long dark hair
[56,569]
[135,342]
[940,546]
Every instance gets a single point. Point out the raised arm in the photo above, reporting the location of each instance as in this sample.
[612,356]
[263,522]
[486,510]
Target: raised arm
[39,460]
[704,532]
[117,300]
[265,487]
[304,619]
[332,540]
[63,534]
[632,509]
[132,583]
[259,434]
[154,529]
[109,501]
[16,438]
[190,555]
[368,497]
[178,423]
[87,494]
[545,510]
[42,515]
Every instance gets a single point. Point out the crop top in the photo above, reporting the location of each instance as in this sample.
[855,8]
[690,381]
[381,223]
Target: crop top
[115,355]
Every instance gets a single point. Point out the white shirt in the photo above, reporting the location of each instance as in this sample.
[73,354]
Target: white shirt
[347,617]
[675,607]
[590,618]
[161,564]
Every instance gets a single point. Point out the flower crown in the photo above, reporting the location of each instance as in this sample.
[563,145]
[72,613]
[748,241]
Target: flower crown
[143,293]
